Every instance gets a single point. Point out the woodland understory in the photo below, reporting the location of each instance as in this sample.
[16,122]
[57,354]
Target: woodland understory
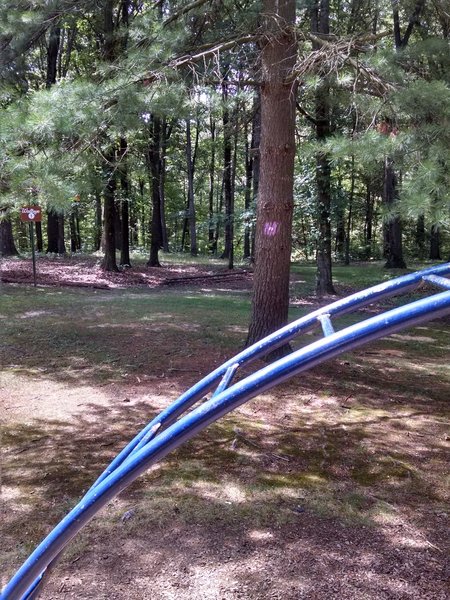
[332,485]
[208,170]
[250,131]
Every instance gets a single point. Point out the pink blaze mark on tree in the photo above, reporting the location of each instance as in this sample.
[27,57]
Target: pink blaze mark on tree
[271,228]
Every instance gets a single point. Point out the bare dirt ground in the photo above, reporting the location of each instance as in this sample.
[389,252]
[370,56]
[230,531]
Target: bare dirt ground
[334,485]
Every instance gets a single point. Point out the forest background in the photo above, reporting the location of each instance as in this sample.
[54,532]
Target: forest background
[269,131]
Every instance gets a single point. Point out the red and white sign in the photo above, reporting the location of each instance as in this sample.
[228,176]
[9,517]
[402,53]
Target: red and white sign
[31,214]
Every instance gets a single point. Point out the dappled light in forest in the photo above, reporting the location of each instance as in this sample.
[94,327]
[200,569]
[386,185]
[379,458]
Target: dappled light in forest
[338,471]
[179,180]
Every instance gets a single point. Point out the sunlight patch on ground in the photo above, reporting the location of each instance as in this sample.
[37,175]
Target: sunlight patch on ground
[413,338]
[405,363]
[10,493]
[228,493]
[44,398]
[32,314]
[259,536]
[234,493]
[237,329]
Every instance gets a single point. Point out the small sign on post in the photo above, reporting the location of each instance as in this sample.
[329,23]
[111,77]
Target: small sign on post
[31,214]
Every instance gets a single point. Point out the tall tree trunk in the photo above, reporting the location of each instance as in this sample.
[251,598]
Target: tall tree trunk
[350,215]
[125,204]
[109,217]
[61,235]
[248,193]
[320,24]
[165,134]
[142,226]
[435,243]
[368,221]
[65,61]
[255,150]
[270,301]
[52,232]
[73,233]
[39,240]
[212,168]
[233,190]
[339,246]
[420,237]
[154,166]
[55,221]
[118,223]
[227,174]
[98,221]
[393,248]
[7,245]
[77,226]
[393,245]
[52,55]
[134,239]
[190,192]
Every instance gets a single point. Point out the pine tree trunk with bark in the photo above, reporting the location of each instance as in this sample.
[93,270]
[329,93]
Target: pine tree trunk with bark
[435,243]
[98,221]
[393,244]
[109,51]
[270,301]
[7,245]
[393,249]
[255,151]
[420,237]
[227,175]
[73,233]
[55,224]
[52,232]
[154,167]
[39,240]
[320,24]
[165,135]
[368,221]
[125,204]
[191,216]
[109,216]
[52,55]
[212,168]
[248,194]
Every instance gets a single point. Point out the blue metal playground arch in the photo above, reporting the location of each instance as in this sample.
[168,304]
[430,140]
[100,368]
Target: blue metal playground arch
[180,421]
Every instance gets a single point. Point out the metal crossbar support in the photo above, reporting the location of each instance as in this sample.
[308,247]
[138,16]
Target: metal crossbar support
[351,303]
[229,374]
[327,325]
[442,282]
[169,429]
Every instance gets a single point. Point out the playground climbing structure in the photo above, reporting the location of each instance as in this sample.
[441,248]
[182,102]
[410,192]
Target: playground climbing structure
[193,410]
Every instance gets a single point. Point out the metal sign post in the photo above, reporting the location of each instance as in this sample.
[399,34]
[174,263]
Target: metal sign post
[31,214]
[33,253]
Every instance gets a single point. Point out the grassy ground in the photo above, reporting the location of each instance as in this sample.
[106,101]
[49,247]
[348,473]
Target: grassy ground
[332,485]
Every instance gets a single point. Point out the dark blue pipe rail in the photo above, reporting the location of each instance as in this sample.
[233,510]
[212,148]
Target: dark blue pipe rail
[165,433]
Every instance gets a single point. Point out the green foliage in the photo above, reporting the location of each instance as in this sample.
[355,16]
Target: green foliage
[53,142]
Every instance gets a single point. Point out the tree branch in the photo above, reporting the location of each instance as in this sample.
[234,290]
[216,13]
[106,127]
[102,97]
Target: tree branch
[306,114]
[184,10]
[414,19]
[212,49]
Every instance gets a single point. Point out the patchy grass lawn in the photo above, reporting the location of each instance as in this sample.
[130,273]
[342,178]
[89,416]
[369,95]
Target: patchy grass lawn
[334,485]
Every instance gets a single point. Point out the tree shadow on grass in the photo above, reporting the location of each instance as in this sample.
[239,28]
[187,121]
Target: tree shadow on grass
[348,514]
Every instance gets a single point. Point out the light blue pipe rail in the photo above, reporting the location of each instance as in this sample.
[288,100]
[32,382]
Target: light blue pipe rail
[169,429]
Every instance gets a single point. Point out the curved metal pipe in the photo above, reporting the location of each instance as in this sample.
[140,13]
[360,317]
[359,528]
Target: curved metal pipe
[353,302]
[184,429]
